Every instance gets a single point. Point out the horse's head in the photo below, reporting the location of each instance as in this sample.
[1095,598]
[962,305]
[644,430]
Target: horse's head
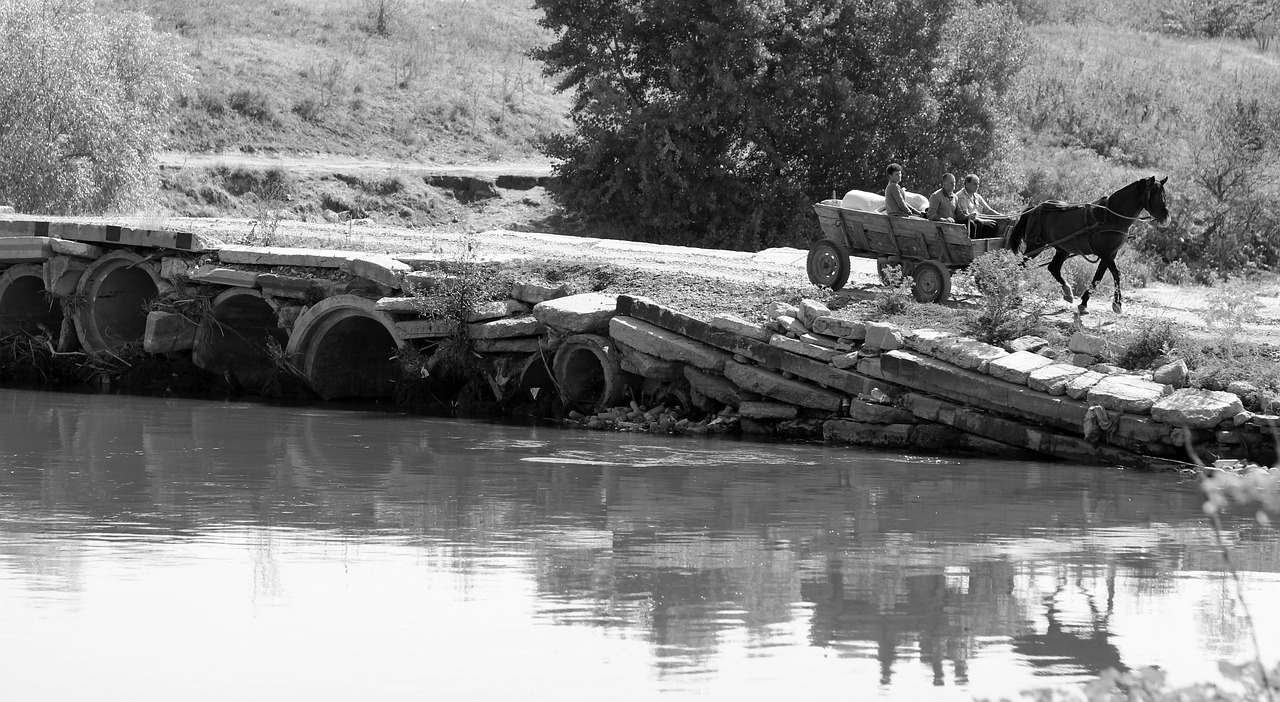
[1153,199]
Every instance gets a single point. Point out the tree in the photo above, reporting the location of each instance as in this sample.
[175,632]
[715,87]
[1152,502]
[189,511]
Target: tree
[84,104]
[723,120]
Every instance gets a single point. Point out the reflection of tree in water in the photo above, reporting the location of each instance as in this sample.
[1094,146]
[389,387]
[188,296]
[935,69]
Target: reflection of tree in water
[1081,647]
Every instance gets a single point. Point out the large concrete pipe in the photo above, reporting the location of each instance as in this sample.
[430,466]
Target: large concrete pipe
[346,348]
[25,305]
[233,340]
[587,371]
[110,305]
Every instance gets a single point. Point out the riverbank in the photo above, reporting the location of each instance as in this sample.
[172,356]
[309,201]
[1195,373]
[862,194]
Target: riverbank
[598,333]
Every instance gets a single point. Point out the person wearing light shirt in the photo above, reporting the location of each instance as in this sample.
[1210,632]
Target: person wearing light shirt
[970,206]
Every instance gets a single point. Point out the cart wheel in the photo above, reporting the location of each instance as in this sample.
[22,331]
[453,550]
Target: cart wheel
[933,282]
[828,264]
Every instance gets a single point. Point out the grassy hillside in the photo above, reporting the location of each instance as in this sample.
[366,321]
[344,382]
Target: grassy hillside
[420,80]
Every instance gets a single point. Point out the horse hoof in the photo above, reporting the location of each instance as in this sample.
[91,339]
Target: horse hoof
[1071,299]
[1081,311]
[1115,307]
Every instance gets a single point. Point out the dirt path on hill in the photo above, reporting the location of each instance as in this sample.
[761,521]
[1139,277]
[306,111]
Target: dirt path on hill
[346,164]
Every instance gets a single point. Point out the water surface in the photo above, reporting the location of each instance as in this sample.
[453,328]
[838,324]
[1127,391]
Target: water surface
[190,550]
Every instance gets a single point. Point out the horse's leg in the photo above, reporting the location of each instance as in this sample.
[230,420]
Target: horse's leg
[1097,276]
[1117,302]
[1055,269]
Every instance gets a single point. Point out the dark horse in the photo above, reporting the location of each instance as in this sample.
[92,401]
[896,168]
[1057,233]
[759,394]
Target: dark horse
[1097,228]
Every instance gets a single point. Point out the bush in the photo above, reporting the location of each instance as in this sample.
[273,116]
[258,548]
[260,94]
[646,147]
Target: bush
[253,104]
[1014,300]
[1154,339]
[85,101]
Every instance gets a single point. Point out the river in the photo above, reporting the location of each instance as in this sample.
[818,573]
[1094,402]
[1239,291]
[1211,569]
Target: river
[164,549]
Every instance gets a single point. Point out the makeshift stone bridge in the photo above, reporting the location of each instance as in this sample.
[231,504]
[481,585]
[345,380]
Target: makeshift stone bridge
[342,318]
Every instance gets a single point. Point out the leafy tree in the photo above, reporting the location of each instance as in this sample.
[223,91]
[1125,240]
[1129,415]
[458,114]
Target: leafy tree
[84,102]
[721,121]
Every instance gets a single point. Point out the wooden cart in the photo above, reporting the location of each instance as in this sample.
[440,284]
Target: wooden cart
[927,251]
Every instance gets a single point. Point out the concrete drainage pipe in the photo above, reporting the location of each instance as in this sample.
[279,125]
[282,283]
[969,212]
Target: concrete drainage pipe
[24,304]
[110,303]
[234,340]
[346,348]
[587,372]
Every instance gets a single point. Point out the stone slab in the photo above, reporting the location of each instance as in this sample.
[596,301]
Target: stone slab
[781,309]
[62,273]
[1125,393]
[872,413]
[533,293]
[737,325]
[1090,344]
[578,314]
[883,336]
[1027,343]
[26,249]
[289,286]
[926,340]
[166,332]
[1197,409]
[646,365]
[398,305]
[506,328]
[828,342]
[716,387]
[427,328]
[839,328]
[771,384]
[496,309]
[383,270]
[527,344]
[969,354]
[1053,378]
[1078,387]
[811,310]
[76,248]
[211,274]
[284,256]
[427,281]
[821,353]
[665,344]
[1017,366]
[774,411]
[850,432]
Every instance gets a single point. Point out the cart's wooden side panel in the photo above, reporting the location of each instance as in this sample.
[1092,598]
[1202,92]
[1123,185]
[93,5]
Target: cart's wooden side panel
[872,234]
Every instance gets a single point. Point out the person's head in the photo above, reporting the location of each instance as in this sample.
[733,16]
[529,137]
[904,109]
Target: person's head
[971,182]
[948,182]
[895,172]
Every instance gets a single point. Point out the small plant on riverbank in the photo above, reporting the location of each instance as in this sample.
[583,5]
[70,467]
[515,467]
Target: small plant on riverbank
[1014,298]
[895,298]
[1154,339]
[1232,305]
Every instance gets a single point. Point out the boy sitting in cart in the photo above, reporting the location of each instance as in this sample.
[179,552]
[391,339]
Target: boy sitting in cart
[895,198]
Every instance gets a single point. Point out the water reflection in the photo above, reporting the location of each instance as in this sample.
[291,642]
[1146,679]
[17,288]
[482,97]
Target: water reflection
[737,566]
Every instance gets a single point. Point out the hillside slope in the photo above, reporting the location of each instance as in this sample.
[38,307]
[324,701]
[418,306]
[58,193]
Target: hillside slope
[397,80]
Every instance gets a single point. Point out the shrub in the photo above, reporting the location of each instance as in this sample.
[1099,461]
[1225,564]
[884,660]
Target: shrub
[1014,299]
[308,108]
[85,101]
[1232,305]
[253,104]
[896,298]
[1153,339]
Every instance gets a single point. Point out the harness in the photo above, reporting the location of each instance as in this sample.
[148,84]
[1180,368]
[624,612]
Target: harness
[1090,229]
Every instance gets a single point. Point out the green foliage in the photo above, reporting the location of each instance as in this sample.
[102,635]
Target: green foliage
[1014,299]
[721,122]
[1232,305]
[1153,339]
[84,104]
[896,297]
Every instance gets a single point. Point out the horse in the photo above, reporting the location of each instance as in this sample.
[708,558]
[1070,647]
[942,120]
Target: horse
[1096,228]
